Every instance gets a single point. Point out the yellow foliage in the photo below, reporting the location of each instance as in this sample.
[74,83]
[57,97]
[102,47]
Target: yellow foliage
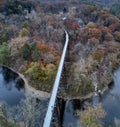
[91,116]
[24,32]
[15,44]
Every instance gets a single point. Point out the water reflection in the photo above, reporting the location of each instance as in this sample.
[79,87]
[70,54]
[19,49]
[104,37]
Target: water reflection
[110,101]
[11,92]
[18,107]
[70,119]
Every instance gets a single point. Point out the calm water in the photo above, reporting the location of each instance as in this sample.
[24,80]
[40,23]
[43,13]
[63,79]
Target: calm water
[69,116]
[19,107]
[11,92]
[110,101]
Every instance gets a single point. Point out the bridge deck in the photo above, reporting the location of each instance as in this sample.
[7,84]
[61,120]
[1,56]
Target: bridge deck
[50,109]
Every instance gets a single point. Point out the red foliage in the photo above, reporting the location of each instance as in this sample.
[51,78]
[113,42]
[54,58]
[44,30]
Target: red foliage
[72,24]
[108,37]
[115,26]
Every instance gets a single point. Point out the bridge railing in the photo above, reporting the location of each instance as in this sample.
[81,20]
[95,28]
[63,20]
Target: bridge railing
[51,105]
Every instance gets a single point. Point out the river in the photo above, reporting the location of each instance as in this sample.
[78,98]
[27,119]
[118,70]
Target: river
[110,101]
[16,105]
[11,92]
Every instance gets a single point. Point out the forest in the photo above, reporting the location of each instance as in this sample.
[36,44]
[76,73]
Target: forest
[32,39]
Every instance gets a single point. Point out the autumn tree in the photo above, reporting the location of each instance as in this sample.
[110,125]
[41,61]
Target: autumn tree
[117,36]
[72,24]
[91,117]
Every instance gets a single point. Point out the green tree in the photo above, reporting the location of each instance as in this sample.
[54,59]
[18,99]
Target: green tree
[115,10]
[36,54]
[25,51]
[33,45]
[4,53]
[33,70]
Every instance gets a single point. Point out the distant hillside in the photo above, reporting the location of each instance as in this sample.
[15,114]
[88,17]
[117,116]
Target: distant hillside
[107,3]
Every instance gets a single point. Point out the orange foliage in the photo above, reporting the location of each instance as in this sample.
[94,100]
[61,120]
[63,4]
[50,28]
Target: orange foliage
[48,49]
[117,36]
[42,47]
[55,53]
[94,32]
[88,33]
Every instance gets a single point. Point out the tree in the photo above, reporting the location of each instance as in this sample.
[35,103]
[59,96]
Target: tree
[24,32]
[25,51]
[72,24]
[115,10]
[4,53]
[36,54]
[26,24]
[51,71]
[117,36]
[91,117]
